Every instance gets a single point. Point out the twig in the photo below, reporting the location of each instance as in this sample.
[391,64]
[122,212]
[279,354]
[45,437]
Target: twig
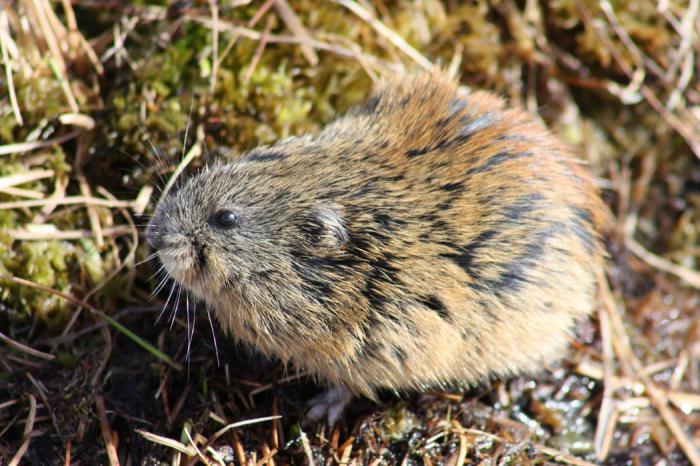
[69,446]
[656,395]
[74,33]
[258,51]
[93,215]
[277,432]
[292,21]
[167,442]
[41,390]
[117,50]
[269,456]
[191,450]
[607,415]
[77,119]
[194,446]
[684,401]
[47,31]
[106,354]
[394,38]
[238,424]
[70,15]
[684,54]
[689,276]
[5,36]
[286,39]
[307,448]
[26,349]
[106,431]
[29,146]
[561,457]
[251,22]
[51,234]
[65,86]
[238,446]
[355,48]
[71,200]
[660,402]
[456,61]
[21,192]
[59,192]
[26,177]
[214,7]
[56,62]
[636,54]
[463,448]
[28,427]
[142,200]
[7,404]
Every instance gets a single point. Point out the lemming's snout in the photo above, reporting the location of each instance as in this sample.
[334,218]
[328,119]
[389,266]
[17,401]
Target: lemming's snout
[154,236]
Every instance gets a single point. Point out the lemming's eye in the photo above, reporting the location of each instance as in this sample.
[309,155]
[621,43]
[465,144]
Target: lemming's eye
[225,219]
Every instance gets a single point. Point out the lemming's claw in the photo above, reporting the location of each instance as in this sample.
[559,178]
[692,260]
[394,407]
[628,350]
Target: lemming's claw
[330,403]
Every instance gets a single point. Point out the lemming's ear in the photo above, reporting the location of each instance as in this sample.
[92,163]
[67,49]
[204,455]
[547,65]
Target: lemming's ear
[326,227]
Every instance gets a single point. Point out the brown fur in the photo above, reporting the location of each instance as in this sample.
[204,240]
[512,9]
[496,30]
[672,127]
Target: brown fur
[429,237]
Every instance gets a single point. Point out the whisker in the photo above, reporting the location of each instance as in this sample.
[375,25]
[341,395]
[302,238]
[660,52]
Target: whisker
[148,258]
[160,163]
[155,274]
[180,179]
[172,289]
[159,287]
[176,180]
[213,334]
[147,170]
[187,128]
[194,315]
[206,148]
[189,335]
[177,306]
[133,158]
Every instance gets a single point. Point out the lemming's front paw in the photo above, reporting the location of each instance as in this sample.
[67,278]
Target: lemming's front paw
[330,403]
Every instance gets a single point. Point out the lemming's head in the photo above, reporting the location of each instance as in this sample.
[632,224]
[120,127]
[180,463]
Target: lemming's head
[242,225]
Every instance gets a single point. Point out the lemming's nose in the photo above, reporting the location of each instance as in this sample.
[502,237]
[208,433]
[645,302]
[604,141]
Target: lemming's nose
[154,237]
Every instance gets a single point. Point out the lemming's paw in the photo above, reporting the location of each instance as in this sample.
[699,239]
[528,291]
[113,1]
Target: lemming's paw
[330,403]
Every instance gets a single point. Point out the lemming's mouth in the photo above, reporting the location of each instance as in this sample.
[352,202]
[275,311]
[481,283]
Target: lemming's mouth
[179,266]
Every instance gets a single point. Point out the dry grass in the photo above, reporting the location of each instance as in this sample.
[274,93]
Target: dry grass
[86,377]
